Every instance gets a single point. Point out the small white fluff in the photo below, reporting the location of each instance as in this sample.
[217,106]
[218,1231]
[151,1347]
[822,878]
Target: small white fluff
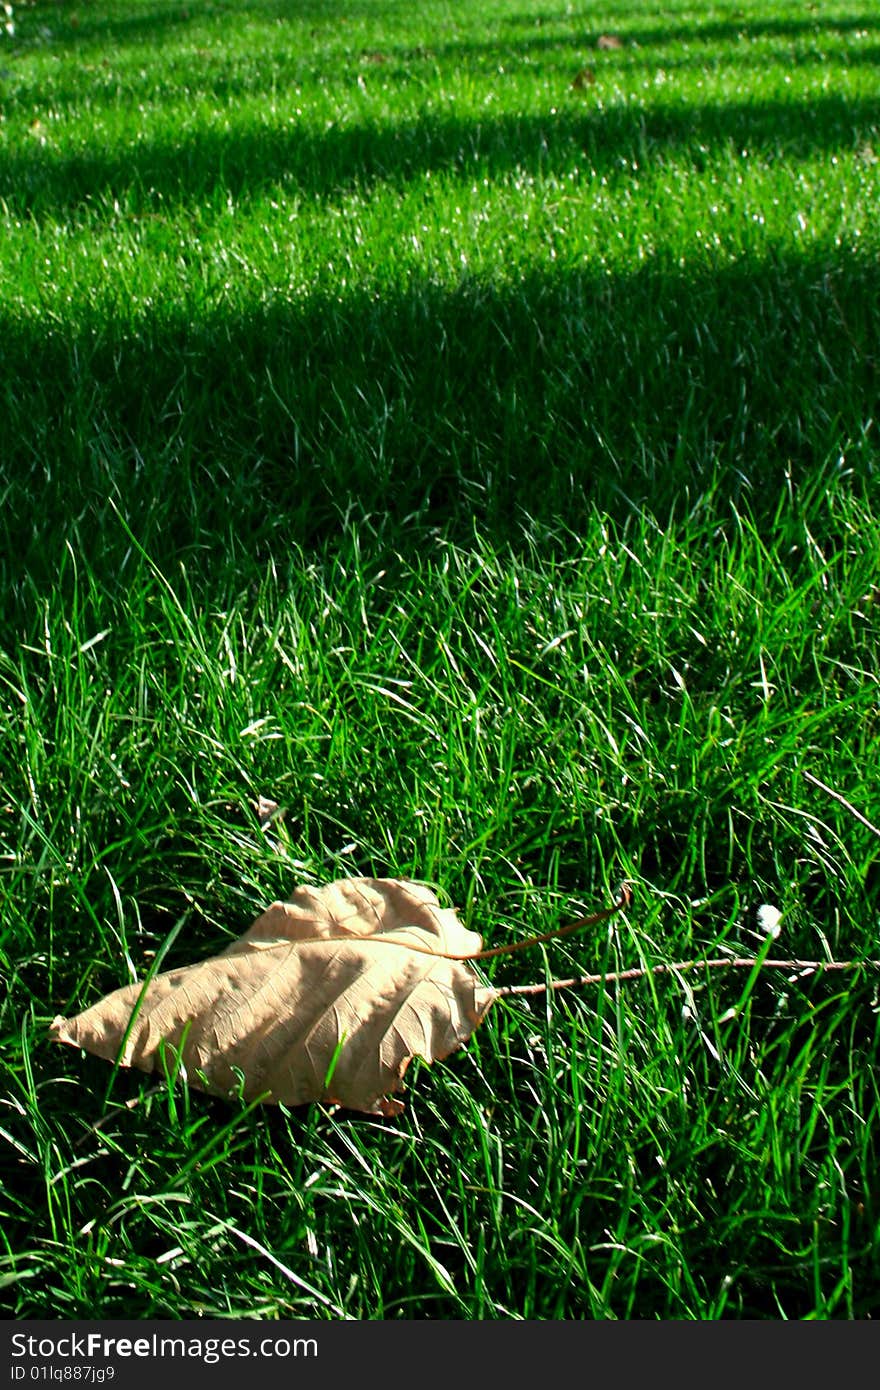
[769,918]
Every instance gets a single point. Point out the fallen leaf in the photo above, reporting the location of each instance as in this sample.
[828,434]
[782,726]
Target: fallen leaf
[267,810]
[585,78]
[609,41]
[327,997]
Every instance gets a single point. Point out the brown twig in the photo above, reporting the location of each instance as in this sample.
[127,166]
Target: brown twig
[679,967]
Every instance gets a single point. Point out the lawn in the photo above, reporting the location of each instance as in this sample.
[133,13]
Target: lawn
[456,423]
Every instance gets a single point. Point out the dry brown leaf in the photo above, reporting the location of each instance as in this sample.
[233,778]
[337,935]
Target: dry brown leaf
[585,78]
[327,997]
[609,41]
[267,810]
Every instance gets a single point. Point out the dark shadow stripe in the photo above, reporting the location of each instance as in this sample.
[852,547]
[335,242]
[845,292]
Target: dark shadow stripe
[324,163]
[551,395]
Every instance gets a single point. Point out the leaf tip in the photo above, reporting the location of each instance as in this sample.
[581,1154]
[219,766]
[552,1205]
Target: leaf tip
[59,1029]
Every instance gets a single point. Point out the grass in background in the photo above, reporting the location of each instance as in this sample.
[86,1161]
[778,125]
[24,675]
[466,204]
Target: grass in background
[484,469]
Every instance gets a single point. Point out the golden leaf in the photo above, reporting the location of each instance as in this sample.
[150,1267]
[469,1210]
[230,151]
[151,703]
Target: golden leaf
[326,997]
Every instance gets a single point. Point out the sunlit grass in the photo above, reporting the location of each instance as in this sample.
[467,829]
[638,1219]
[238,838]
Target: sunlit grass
[483,468]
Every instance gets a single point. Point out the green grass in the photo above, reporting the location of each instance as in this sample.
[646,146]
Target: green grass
[484,469]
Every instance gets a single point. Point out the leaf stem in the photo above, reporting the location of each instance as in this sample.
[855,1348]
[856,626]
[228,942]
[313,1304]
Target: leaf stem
[624,897]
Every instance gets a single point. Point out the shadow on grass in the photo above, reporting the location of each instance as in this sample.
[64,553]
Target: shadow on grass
[125,25]
[321,163]
[548,396]
[130,25]
[724,46]
[733,30]
[222,78]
